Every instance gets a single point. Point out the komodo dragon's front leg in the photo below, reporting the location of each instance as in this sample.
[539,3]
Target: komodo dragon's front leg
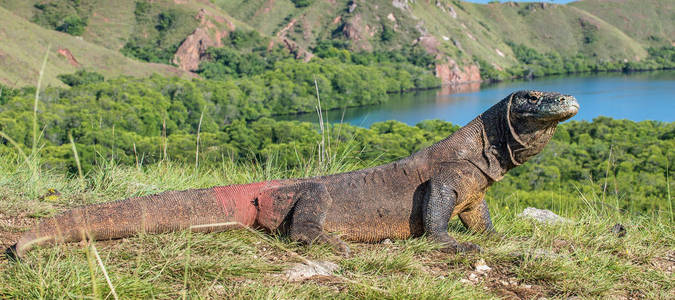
[477,218]
[456,188]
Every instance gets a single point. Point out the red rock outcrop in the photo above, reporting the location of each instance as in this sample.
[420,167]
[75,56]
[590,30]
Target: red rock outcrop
[69,56]
[192,50]
[451,73]
[355,30]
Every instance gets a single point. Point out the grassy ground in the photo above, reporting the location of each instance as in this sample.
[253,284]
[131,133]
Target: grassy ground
[582,258]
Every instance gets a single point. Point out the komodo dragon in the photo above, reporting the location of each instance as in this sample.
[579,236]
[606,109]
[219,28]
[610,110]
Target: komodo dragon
[409,197]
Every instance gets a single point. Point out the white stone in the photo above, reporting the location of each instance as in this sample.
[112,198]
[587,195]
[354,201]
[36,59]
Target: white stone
[301,271]
[481,266]
[542,215]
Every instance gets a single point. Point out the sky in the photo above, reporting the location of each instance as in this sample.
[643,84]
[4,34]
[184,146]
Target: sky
[550,1]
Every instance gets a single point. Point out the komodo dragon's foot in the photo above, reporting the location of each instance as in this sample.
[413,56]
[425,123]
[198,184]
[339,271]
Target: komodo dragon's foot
[339,246]
[460,247]
[336,243]
[450,245]
[495,236]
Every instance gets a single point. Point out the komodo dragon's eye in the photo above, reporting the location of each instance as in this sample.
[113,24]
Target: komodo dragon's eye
[533,97]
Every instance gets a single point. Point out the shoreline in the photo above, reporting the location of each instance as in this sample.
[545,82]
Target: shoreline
[469,87]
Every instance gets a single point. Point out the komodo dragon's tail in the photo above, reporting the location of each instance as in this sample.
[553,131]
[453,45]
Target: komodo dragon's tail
[203,210]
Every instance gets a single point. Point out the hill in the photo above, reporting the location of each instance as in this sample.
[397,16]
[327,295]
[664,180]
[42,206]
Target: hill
[650,22]
[466,39]
[23,45]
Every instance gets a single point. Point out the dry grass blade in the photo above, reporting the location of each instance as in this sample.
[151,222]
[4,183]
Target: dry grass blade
[322,145]
[164,142]
[18,148]
[670,201]
[136,156]
[199,128]
[37,97]
[105,273]
[112,151]
[77,157]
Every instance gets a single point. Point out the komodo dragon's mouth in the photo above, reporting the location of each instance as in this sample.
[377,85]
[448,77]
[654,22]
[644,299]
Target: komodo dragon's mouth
[560,109]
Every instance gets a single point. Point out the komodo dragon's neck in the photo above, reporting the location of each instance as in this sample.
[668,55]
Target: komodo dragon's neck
[489,142]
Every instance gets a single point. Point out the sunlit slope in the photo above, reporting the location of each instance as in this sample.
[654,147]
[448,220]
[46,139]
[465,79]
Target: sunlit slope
[651,22]
[23,45]
[607,30]
[460,30]
[483,31]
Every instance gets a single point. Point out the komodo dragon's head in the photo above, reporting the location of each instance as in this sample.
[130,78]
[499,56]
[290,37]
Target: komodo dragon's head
[532,117]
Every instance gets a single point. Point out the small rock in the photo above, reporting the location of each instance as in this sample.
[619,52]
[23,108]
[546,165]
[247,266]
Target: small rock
[544,253]
[473,277]
[352,7]
[400,4]
[387,242]
[219,289]
[452,12]
[301,271]
[481,266]
[542,215]
[465,281]
[527,286]
[619,230]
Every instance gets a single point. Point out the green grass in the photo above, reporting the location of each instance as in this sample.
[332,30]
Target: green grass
[578,259]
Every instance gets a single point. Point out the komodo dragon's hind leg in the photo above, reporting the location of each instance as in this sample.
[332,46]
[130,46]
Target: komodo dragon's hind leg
[309,213]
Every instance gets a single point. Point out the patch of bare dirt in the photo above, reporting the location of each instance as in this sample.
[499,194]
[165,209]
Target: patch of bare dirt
[665,263]
[504,283]
[69,56]
[193,49]
[265,8]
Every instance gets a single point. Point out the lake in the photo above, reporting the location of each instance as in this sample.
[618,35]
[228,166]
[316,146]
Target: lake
[634,96]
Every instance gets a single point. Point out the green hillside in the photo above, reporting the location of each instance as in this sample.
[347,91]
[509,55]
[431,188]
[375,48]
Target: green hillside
[23,48]
[461,30]
[595,31]
[650,22]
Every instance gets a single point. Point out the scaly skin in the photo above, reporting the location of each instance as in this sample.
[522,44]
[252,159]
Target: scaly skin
[415,195]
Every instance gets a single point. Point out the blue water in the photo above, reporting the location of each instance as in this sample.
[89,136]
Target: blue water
[635,96]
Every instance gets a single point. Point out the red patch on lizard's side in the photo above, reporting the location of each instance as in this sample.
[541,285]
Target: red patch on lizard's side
[273,206]
[238,201]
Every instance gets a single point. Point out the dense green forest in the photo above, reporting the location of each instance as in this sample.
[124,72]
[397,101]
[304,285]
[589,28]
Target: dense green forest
[536,64]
